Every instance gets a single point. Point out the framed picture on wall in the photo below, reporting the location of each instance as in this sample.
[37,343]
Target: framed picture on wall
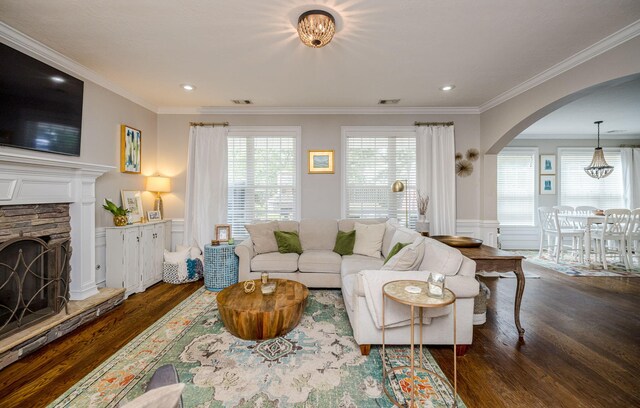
[132,201]
[547,164]
[130,150]
[321,162]
[548,184]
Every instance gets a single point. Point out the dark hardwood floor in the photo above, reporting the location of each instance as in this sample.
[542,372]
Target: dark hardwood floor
[580,348]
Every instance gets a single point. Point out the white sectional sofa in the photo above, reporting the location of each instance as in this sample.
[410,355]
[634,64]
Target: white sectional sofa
[361,279]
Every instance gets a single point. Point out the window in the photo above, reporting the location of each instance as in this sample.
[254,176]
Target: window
[263,176]
[517,186]
[577,188]
[375,157]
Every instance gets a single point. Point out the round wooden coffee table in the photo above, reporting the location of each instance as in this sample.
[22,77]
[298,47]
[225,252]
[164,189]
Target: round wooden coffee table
[254,316]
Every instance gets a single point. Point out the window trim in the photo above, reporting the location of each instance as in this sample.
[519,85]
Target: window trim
[365,131]
[535,151]
[277,131]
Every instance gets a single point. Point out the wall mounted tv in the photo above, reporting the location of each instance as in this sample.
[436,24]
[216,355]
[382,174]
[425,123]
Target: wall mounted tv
[40,106]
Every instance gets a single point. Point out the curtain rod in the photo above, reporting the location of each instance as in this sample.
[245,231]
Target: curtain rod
[433,123]
[224,124]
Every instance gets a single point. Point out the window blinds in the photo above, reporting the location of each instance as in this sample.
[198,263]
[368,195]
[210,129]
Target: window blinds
[517,187]
[577,188]
[372,164]
[262,180]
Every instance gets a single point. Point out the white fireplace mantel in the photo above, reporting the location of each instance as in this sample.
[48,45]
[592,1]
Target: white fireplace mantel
[38,180]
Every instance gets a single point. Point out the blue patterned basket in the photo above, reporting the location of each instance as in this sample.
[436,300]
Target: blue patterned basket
[220,266]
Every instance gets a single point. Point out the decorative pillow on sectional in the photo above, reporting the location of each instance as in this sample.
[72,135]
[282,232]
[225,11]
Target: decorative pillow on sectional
[396,248]
[345,242]
[262,236]
[194,252]
[408,258]
[369,239]
[288,242]
[178,258]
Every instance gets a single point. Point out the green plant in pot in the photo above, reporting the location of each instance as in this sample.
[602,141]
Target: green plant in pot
[120,218]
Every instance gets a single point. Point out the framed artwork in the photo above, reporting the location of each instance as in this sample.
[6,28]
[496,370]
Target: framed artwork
[132,201]
[321,162]
[223,232]
[154,215]
[548,184]
[130,150]
[547,164]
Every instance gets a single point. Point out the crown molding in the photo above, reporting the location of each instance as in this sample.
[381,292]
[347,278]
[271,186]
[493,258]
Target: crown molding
[14,38]
[265,110]
[604,45]
[587,136]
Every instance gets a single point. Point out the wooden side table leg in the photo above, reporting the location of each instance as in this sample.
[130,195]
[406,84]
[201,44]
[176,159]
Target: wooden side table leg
[519,291]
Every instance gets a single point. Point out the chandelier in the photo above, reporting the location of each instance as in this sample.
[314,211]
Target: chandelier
[316,28]
[598,168]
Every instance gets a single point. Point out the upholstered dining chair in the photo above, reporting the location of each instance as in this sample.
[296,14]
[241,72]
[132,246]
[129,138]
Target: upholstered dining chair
[633,237]
[550,227]
[614,229]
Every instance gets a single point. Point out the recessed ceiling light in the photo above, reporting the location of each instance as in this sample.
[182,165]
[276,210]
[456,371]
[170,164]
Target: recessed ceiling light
[388,101]
[57,79]
[447,87]
[187,87]
[242,101]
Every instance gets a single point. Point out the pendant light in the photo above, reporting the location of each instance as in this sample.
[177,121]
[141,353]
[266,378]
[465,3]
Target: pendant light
[598,168]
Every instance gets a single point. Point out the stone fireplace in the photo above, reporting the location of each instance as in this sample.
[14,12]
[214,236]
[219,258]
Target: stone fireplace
[34,264]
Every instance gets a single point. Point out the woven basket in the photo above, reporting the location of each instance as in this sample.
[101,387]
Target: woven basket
[170,274]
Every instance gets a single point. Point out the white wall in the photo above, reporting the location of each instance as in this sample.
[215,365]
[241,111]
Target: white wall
[320,193]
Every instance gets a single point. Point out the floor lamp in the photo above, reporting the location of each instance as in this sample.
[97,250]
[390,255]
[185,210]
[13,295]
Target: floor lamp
[397,187]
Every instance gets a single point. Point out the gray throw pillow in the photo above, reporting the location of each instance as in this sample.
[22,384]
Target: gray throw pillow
[262,236]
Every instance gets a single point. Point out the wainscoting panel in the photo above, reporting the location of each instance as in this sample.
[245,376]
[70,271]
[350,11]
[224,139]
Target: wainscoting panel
[101,257]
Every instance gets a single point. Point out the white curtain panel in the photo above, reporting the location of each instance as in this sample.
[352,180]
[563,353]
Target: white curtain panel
[206,195]
[436,176]
[630,158]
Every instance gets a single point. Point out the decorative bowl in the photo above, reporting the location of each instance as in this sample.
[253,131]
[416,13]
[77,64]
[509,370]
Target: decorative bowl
[458,241]
[598,212]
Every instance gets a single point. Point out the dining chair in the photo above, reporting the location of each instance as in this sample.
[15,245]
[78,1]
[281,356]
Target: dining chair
[633,237]
[614,229]
[550,227]
[582,224]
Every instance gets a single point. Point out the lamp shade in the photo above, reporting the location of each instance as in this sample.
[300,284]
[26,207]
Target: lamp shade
[397,186]
[159,184]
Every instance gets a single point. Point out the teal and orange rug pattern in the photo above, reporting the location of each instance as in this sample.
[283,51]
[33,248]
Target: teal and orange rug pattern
[318,364]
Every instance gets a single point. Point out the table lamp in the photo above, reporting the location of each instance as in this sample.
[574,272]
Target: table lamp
[158,185]
[398,187]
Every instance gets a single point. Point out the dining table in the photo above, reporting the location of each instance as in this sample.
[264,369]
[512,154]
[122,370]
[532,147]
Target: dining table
[587,220]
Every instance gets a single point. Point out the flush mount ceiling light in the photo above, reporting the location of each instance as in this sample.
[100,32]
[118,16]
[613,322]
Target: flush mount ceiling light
[316,28]
[187,87]
[598,168]
[447,87]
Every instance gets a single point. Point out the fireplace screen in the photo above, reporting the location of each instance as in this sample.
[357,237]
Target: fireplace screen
[34,281]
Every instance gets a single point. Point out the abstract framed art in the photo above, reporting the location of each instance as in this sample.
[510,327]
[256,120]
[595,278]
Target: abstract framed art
[321,162]
[132,201]
[548,184]
[130,150]
[547,164]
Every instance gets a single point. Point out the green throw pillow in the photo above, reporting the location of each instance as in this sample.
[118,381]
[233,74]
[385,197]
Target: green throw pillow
[288,242]
[345,242]
[396,248]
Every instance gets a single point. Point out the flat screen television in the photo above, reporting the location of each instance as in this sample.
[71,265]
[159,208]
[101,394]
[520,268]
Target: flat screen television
[40,106]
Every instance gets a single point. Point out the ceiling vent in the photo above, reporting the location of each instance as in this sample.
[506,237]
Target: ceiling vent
[242,101]
[388,101]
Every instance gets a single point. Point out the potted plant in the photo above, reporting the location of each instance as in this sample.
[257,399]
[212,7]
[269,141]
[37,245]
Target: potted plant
[423,204]
[120,218]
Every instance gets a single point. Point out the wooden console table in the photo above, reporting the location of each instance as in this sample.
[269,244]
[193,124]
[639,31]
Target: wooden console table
[496,260]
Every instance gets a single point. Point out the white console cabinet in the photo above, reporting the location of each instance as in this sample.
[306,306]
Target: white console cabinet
[135,254]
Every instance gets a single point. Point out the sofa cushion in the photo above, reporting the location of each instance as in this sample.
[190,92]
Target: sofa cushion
[319,261]
[348,224]
[403,235]
[262,236]
[289,226]
[369,239]
[275,262]
[408,258]
[345,242]
[390,230]
[318,234]
[441,258]
[355,263]
[288,242]
[396,248]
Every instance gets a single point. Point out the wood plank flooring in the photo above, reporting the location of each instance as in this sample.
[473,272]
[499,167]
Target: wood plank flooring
[580,348]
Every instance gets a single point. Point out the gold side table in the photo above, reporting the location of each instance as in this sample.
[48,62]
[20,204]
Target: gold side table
[396,291]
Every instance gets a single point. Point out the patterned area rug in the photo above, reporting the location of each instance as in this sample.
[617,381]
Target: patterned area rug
[570,266]
[318,364]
